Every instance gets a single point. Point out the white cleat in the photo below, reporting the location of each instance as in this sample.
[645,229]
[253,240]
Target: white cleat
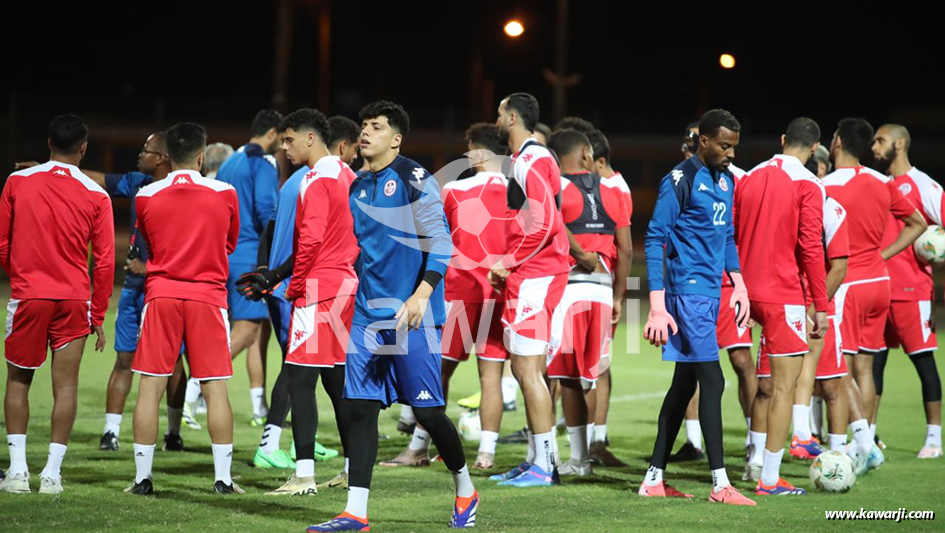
[18,484]
[297,486]
[48,485]
[930,452]
[573,468]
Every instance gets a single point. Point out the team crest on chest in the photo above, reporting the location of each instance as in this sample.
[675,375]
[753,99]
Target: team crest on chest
[723,183]
[905,188]
[390,188]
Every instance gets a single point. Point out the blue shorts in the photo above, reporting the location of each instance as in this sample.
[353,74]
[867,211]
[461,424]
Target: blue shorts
[239,307]
[128,321]
[382,367]
[280,311]
[695,342]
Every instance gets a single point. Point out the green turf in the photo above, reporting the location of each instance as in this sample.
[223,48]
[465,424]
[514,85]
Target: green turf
[421,499]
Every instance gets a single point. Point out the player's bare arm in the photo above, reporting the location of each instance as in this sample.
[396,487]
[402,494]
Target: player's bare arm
[914,227]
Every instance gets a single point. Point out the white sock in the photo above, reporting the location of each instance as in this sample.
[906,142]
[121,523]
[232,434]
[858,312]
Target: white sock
[817,415]
[801,419]
[934,436]
[872,432]
[545,451]
[577,436]
[144,458]
[357,501]
[406,415]
[509,390]
[17,446]
[838,443]
[193,392]
[487,440]
[861,435]
[719,479]
[694,433]
[748,434]
[600,433]
[463,483]
[590,433]
[758,441]
[258,397]
[270,438]
[305,468]
[554,449]
[347,463]
[112,423]
[771,468]
[56,454]
[654,476]
[222,460]
[173,420]
[420,440]
[530,455]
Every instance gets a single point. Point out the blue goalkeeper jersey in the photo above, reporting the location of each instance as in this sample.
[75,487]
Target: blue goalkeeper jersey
[283,235]
[691,240]
[127,185]
[252,172]
[402,231]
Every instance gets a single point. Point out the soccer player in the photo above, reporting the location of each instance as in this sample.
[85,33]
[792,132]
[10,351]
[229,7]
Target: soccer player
[49,216]
[912,292]
[691,232]
[870,198]
[779,220]
[191,224]
[533,273]
[276,249]
[594,211]
[394,354]
[252,171]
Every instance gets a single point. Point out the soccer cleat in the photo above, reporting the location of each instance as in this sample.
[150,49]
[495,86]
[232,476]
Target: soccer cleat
[600,455]
[687,452]
[875,459]
[661,491]
[144,488]
[276,459]
[464,512]
[324,454]
[257,421]
[861,463]
[409,457]
[781,488]
[509,406]
[296,486]
[471,402]
[406,427]
[511,474]
[173,443]
[752,472]
[188,417]
[519,437]
[930,452]
[48,485]
[342,522]
[574,468]
[535,476]
[338,482]
[805,449]
[731,496]
[17,483]
[108,442]
[484,461]
[222,488]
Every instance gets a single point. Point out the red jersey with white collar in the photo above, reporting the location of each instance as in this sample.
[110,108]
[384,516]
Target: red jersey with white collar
[48,216]
[616,180]
[583,211]
[779,219]
[909,278]
[191,224]
[475,209]
[836,242]
[738,174]
[537,243]
[869,198]
[325,246]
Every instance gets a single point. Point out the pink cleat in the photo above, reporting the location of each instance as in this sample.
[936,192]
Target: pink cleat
[930,452]
[731,496]
[661,491]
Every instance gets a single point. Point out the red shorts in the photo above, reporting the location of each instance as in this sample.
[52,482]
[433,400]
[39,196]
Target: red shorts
[863,308]
[729,335]
[763,366]
[32,325]
[911,324]
[166,322]
[529,304]
[831,364]
[473,324]
[581,333]
[783,326]
[318,334]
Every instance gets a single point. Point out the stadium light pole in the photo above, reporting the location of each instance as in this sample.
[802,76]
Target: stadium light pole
[559,79]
